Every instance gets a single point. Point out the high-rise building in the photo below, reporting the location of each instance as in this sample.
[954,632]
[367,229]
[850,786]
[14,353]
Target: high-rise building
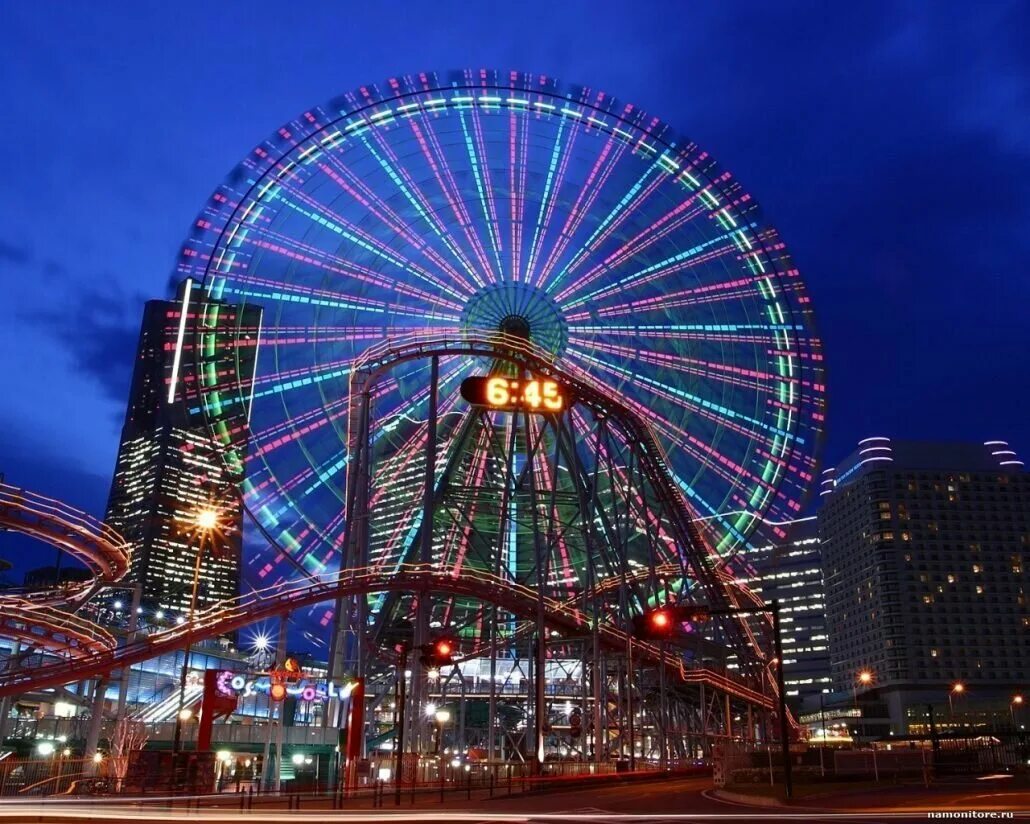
[925,550]
[791,571]
[170,466]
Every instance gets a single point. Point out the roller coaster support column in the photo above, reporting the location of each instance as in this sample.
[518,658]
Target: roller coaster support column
[788,784]
[96,719]
[663,715]
[5,704]
[123,678]
[402,696]
[355,735]
[423,614]
[540,557]
[280,652]
[629,704]
[177,744]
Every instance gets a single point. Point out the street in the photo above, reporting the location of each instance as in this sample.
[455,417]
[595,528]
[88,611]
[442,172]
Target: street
[680,800]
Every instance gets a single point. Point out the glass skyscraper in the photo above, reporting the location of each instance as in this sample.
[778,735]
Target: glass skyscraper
[170,464]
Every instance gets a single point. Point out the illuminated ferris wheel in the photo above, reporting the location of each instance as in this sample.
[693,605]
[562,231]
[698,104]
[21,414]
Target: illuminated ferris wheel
[455,208]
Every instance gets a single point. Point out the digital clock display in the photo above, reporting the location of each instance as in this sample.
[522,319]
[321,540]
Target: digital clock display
[543,395]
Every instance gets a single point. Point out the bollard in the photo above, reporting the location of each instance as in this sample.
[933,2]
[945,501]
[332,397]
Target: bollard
[468,786]
[491,785]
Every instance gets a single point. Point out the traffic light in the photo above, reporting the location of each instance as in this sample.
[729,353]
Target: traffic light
[664,622]
[439,653]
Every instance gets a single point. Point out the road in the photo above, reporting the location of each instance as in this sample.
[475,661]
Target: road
[680,800]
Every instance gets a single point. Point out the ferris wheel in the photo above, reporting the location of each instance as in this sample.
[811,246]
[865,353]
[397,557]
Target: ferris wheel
[456,207]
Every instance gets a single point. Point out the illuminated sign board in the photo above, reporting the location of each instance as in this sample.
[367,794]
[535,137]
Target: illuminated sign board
[542,395]
[241,685]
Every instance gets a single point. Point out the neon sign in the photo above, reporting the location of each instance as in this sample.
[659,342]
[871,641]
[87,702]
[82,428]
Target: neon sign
[240,685]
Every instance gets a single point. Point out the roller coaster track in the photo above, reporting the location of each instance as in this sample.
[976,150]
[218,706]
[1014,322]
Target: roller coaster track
[85,650]
[721,587]
[46,619]
[284,598]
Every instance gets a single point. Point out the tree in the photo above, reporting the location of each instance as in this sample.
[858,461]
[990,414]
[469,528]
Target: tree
[128,737]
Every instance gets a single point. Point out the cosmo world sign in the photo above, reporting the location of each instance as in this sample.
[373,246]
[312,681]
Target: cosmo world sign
[243,685]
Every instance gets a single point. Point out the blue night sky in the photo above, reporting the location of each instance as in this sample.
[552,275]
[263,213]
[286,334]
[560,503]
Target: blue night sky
[890,143]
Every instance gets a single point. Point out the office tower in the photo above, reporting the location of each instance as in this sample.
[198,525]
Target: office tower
[170,466]
[791,571]
[925,549]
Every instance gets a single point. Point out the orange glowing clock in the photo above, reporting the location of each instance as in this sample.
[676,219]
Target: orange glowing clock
[519,394]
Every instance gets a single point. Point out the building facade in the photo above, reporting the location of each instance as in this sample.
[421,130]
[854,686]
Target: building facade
[170,465]
[791,571]
[925,548]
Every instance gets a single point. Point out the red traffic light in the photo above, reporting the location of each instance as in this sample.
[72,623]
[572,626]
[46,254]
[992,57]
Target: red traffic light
[439,653]
[661,620]
[665,621]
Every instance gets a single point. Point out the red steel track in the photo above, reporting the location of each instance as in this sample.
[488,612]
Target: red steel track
[85,650]
[283,598]
[46,619]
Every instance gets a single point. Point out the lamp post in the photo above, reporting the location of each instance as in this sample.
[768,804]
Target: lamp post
[205,521]
[956,689]
[865,678]
[1016,703]
[822,721]
[442,716]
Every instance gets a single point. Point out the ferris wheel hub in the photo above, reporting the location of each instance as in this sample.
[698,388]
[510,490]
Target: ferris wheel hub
[518,309]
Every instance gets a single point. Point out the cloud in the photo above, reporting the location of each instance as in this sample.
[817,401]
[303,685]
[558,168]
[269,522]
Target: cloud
[100,331]
[15,253]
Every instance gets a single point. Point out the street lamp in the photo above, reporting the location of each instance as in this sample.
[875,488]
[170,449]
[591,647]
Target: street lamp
[865,678]
[956,689]
[204,523]
[1016,703]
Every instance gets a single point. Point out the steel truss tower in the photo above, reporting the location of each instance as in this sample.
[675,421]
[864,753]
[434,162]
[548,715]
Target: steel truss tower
[576,506]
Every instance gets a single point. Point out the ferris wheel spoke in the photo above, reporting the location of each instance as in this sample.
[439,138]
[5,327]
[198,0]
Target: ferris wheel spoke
[518,139]
[476,148]
[396,224]
[714,370]
[561,155]
[349,270]
[607,161]
[744,334]
[691,259]
[437,160]
[336,223]
[645,185]
[676,219]
[403,180]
